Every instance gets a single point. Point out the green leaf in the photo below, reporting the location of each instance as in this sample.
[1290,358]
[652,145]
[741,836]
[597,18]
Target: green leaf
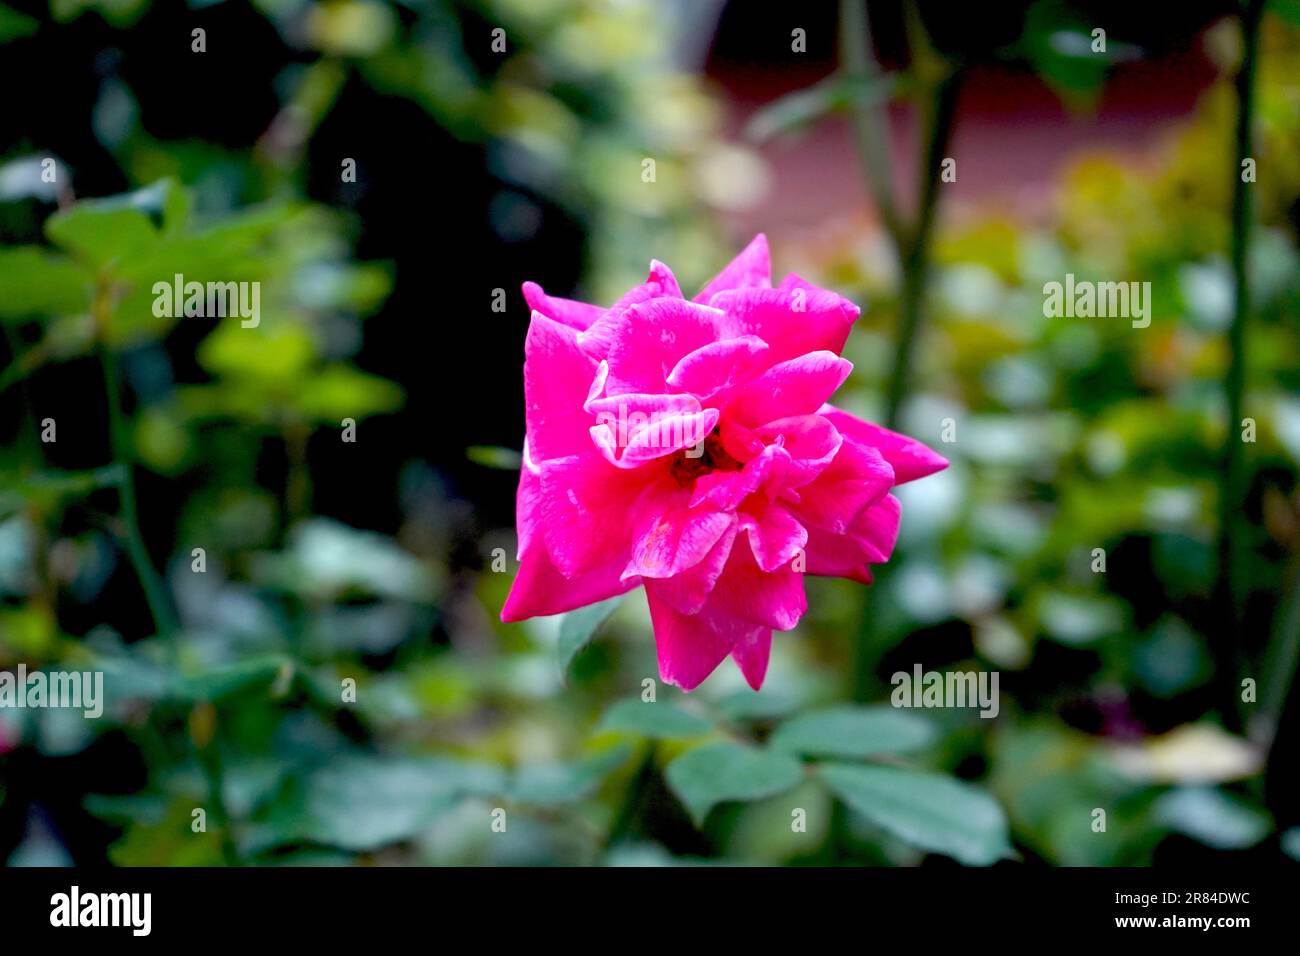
[853,732]
[928,810]
[338,392]
[38,282]
[116,229]
[118,13]
[327,559]
[578,627]
[1059,45]
[364,802]
[490,456]
[547,785]
[144,672]
[1288,10]
[279,354]
[802,107]
[751,705]
[709,775]
[15,25]
[151,840]
[218,683]
[652,719]
[1213,817]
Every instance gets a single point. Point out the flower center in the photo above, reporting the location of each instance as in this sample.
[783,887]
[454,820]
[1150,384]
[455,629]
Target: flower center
[691,463]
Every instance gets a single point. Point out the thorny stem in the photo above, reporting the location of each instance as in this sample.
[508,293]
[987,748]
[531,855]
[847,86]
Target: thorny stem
[1231,597]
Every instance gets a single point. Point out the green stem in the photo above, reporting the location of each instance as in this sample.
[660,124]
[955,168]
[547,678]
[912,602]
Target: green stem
[1279,665]
[210,759]
[871,122]
[915,255]
[155,591]
[1232,582]
[626,815]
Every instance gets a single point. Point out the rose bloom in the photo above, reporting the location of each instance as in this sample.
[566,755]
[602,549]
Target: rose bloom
[686,445]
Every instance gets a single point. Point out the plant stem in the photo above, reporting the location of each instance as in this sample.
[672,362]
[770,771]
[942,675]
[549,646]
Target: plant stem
[1279,665]
[626,815]
[204,733]
[871,121]
[155,591]
[1231,596]
[915,255]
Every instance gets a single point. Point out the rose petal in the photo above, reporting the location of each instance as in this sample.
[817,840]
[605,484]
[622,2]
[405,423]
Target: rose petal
[799,386]
[652,337]
[751,654]
[718,365]
[793,320]
[910,459]
[751,268]
[597,339]
[557,377]
[577,315]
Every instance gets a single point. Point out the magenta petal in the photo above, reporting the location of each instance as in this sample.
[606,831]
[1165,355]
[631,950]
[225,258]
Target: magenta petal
[752,268]
[799,386]
[809,442]
[670,434]
[633,428]
[653,337]
[718,365]
[598,338]
[834,555]
[528,504]
[557,376]
[632,409]
[675,540]
[876,529]
[858,476]
[751,654]
[910,459]
[746,593]
[725,490]
[870,540]
[589,509]
[689,591]
[775,536]
[662,282]
[793,321]
[689,647]
[539,588]
[576,315]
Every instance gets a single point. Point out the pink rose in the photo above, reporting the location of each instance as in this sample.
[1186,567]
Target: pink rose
[686,444]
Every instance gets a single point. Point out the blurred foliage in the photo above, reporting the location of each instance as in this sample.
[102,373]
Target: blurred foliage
[299,699]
